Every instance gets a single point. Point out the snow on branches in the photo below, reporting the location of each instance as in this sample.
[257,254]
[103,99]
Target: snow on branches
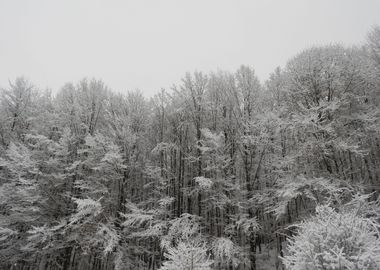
[335,240]
[187,256]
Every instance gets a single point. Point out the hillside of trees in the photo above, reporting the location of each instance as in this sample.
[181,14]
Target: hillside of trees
[220,172]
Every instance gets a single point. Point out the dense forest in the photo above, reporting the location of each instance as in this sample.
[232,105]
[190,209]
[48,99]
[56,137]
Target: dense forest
[221,171]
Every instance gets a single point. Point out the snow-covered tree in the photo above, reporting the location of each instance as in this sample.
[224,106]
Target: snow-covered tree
[187,256]
[341,239]
[213,172]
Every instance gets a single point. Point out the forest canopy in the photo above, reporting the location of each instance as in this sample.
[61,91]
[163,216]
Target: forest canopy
[222,171]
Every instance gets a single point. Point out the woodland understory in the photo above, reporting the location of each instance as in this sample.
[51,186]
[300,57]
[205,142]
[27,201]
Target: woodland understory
[221,171]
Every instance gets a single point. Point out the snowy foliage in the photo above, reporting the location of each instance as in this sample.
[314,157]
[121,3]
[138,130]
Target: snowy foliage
[181,229]
[247,225]
[119,261]
[166,201]
[335,240]
[163,147]
[87,209]
[108,237]
[5,233]
[225,251]
[212,175]
[317,190]
[203,182]
[187,256]
[19,161]
[136,216]
[213,141]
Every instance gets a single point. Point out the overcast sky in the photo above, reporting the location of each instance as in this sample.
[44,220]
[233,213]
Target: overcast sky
[147,45]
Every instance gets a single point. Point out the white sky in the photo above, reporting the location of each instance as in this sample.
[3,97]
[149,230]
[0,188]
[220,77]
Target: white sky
[151,44]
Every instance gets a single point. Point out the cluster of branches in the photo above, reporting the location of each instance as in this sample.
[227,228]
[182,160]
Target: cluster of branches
[210,175]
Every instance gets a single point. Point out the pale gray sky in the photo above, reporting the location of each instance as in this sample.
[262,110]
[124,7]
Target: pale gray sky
[151,44]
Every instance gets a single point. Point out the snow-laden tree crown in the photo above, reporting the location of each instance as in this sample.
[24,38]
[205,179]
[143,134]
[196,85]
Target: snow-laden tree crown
[220,172]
